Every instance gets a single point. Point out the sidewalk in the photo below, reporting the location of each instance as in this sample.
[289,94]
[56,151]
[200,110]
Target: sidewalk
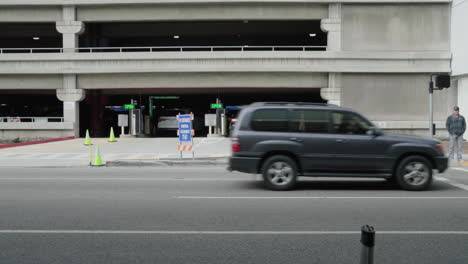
[455,163]
[72,153]
[464,146]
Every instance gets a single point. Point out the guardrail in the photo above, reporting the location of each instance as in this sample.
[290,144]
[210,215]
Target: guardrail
[162,49]
[33,119]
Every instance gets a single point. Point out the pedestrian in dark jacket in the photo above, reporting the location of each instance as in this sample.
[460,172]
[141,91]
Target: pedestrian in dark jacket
[456,127]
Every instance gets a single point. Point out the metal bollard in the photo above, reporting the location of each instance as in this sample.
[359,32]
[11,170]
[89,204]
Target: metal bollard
[368,242]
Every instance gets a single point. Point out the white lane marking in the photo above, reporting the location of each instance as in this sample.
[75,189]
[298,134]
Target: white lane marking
[459,185]
[460,169]
[455,184]
[324,197]
[209,232]
[116,179]
[441,179]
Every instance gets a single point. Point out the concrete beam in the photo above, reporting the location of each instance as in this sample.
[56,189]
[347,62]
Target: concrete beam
[274,80]
[116,2]
[42,81]
[287,61]
[32,13]
[204,11]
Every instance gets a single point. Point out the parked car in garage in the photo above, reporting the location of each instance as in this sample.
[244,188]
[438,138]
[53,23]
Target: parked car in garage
[284,140]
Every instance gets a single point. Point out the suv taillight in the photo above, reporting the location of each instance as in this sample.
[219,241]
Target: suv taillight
[440,147]
[235,145]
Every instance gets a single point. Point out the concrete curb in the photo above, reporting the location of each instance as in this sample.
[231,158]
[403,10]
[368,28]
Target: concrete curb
[169,162]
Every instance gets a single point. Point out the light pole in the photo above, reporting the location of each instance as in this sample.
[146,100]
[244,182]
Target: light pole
[442,81]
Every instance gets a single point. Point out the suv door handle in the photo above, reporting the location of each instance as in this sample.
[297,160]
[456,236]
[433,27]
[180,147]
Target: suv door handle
[295,139]
[341,141]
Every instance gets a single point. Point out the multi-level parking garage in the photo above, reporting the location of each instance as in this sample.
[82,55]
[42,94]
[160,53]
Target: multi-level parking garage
[106,91]
[88,56]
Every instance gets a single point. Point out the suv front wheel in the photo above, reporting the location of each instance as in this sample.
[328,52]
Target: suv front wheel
[414,173]
[279,173]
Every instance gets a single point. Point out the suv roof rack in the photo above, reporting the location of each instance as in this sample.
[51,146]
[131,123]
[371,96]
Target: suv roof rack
[292,103]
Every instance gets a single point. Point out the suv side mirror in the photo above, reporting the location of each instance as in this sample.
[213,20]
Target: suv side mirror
[374,131]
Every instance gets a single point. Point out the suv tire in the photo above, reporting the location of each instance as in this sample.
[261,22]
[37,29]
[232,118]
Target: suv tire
[279,173]
[414,173]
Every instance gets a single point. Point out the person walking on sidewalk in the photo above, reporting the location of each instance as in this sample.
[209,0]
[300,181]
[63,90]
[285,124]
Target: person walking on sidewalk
[456,127]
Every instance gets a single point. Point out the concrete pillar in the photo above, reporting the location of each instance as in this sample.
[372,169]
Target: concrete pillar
[332,25]
[69,28]
[71,113]
[332,93]
[71,98]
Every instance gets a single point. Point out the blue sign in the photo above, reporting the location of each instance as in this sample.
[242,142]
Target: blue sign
[185,128]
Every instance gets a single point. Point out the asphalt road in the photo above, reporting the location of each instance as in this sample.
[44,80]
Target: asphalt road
[209,215]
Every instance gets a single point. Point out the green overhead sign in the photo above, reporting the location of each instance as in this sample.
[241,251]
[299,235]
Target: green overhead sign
[216,106]
[129,106]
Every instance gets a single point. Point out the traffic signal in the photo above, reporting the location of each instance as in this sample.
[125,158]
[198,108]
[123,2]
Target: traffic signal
[442,81]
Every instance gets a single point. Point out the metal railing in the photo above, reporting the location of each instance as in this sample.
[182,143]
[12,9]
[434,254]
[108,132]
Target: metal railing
[30,119]
[162,49]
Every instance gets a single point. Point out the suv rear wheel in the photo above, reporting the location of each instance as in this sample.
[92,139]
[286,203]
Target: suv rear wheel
[279,173]
[414,173]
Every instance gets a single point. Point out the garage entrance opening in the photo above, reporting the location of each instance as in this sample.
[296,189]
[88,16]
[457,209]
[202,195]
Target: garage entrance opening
[203,33]
[159,107]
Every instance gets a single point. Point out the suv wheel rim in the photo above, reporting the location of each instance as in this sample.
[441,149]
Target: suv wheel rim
[416,173]
[280,173]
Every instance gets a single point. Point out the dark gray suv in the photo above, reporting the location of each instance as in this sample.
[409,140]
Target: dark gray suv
[284,140]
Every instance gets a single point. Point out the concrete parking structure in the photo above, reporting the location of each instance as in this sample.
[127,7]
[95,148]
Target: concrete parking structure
[374,56]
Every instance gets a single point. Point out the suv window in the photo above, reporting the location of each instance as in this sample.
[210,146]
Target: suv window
[270,120]
[309,121]
[349,123]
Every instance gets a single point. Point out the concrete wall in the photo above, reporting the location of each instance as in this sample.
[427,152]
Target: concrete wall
[401,99]
[459,38]
[118,2]
[37,130]
[206,11]
[460,52]
[30,14]
[18,81]
[396,27]
[28,135]
[462,85]
[208,79]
